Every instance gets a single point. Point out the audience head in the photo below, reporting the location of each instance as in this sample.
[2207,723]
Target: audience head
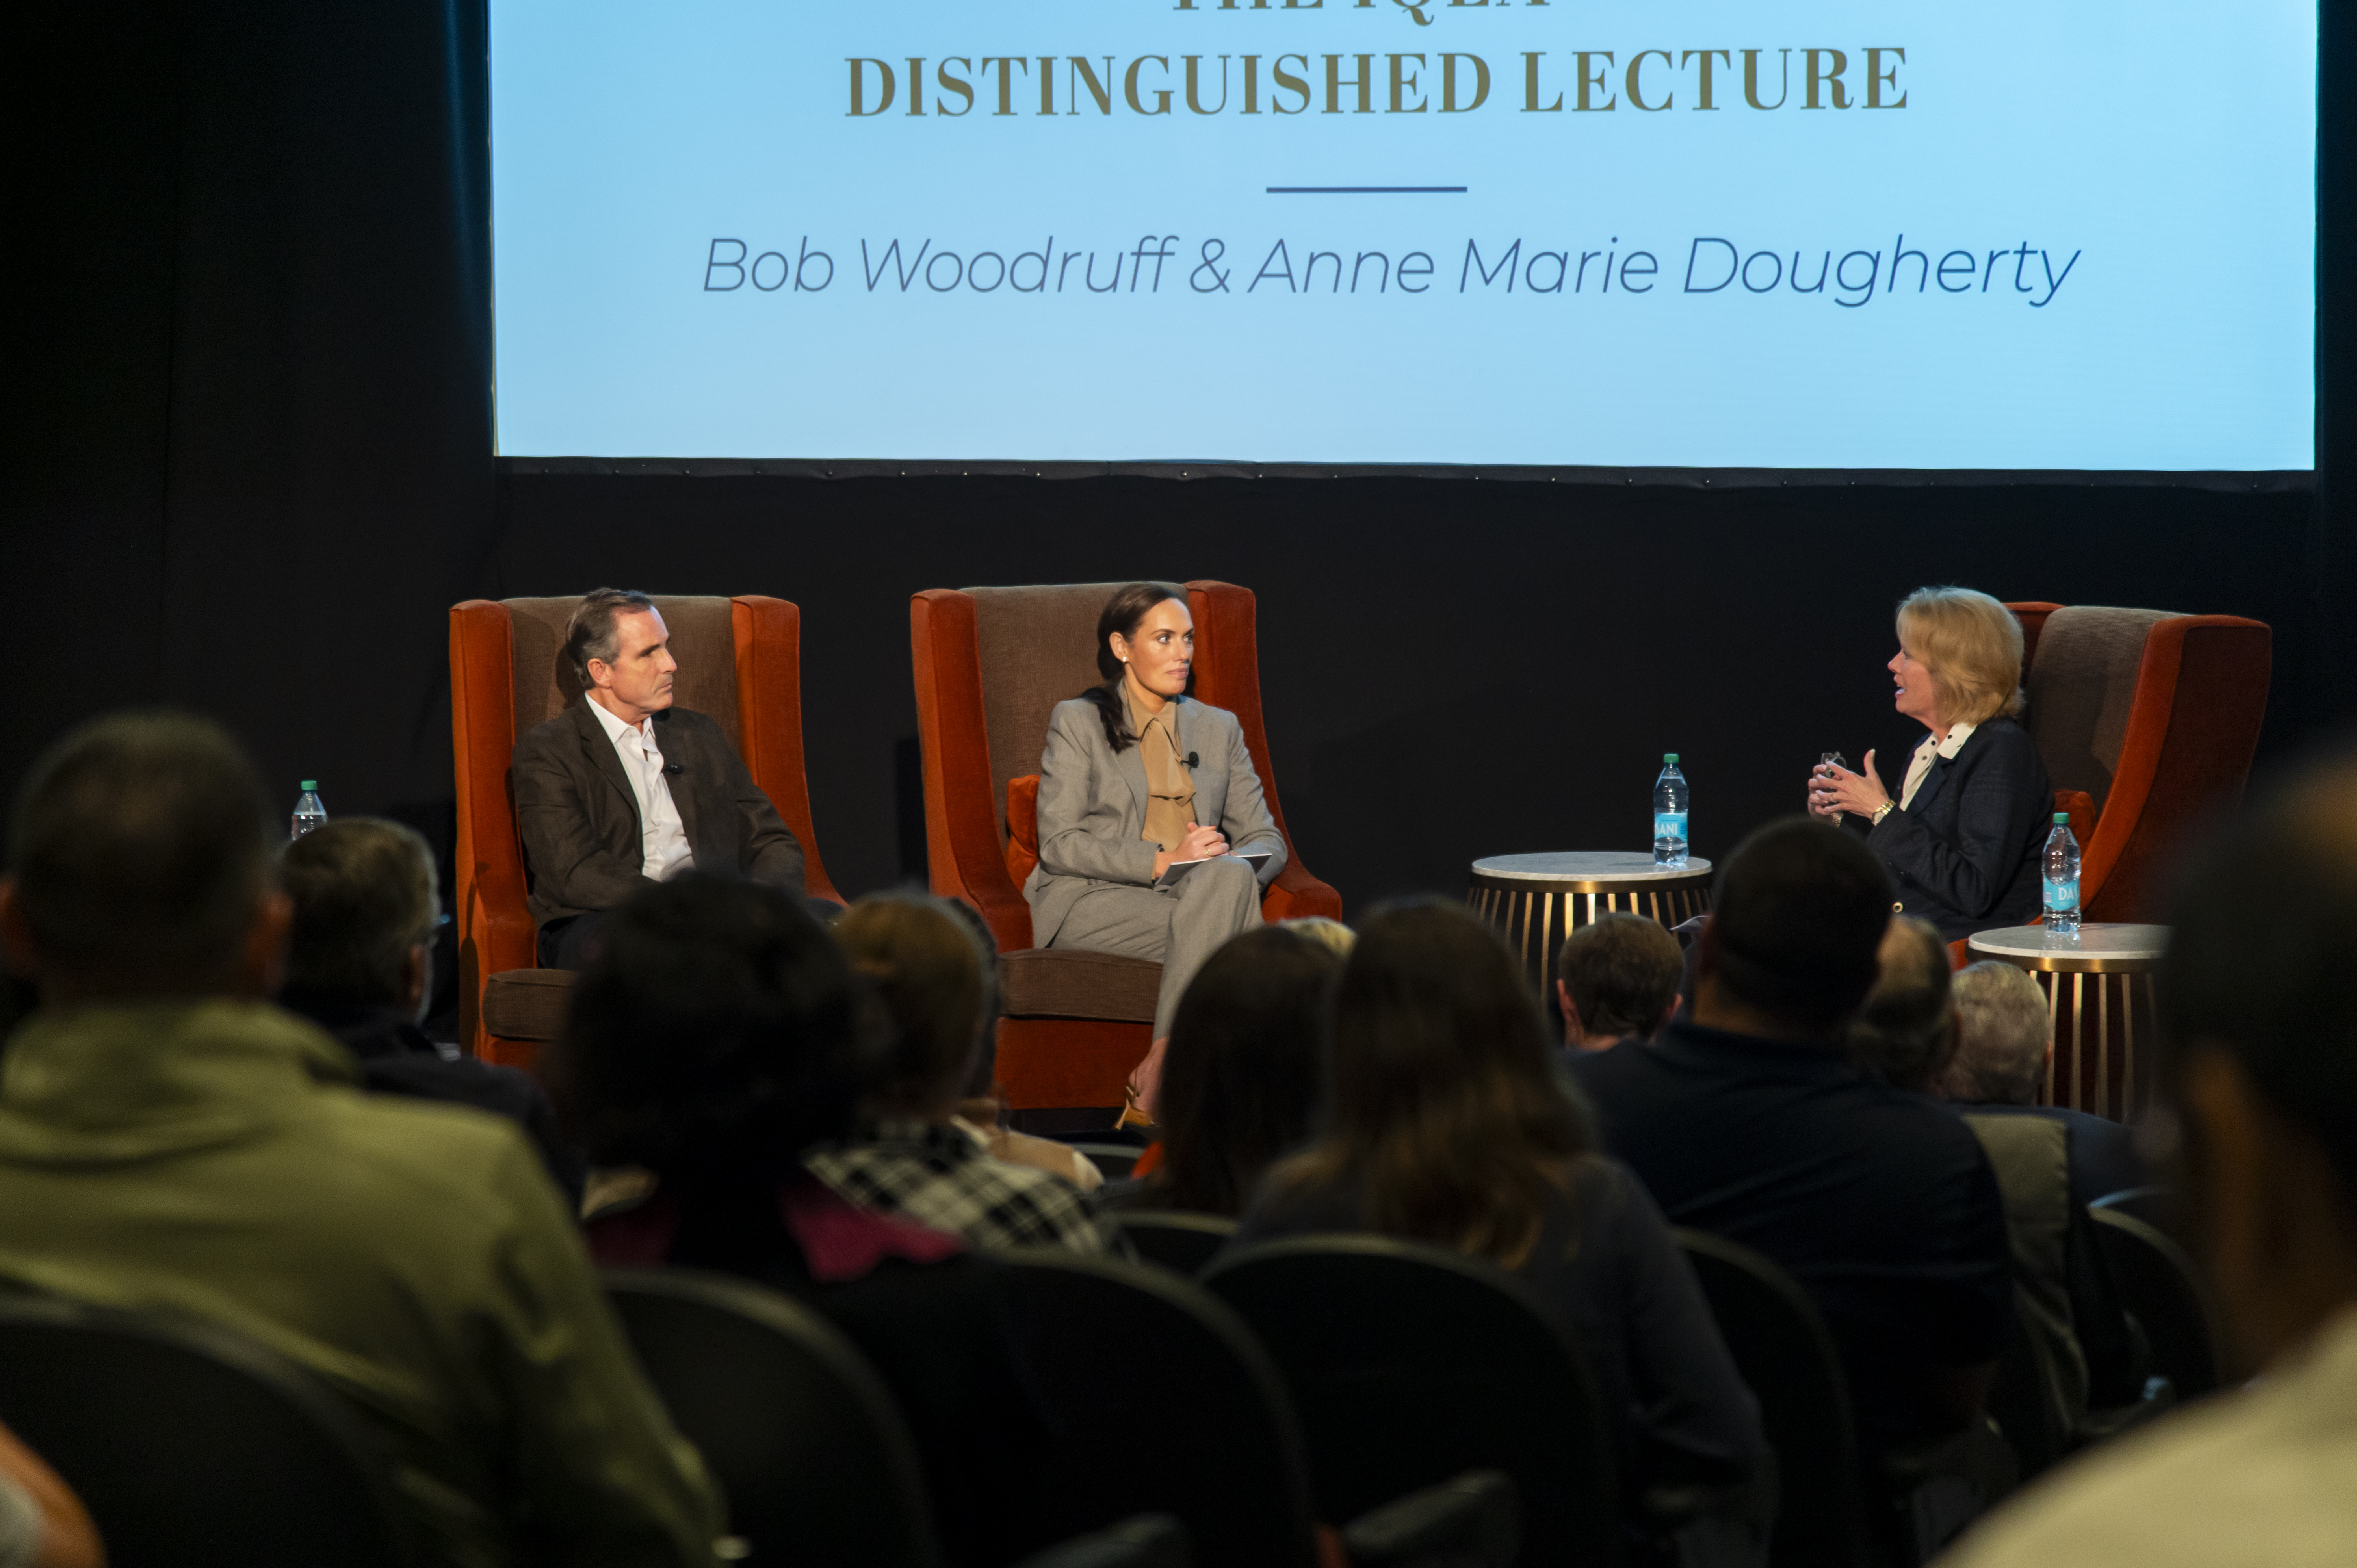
[717,1029]
[938,984]
[1444,1112]
[1617,977]
[366,902]
[2259,1056]
[1792,946]
[618,645]
[1240,1083]
[1326,931]
[1906,1032]
[139,863]
[2003,1036]
[1972,645]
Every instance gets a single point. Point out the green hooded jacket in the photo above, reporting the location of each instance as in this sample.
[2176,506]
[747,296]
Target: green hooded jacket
[214,1158]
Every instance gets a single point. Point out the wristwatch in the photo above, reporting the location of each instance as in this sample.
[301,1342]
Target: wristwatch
[1880,811]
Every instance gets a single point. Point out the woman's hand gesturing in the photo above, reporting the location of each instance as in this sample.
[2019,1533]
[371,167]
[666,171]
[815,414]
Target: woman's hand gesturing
[1834,789]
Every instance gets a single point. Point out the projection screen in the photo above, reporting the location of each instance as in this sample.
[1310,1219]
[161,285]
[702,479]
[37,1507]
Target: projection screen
[2013,234]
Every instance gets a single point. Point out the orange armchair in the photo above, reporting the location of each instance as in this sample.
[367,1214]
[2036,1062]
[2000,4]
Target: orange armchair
[991,663]
[740,662]
[2154,717]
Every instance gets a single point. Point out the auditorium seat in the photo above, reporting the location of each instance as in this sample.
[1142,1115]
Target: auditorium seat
[193,1447]
[1183,1243]
[2155,717]
[802,1434]
[740,662]
[1408,1365]
[991,664]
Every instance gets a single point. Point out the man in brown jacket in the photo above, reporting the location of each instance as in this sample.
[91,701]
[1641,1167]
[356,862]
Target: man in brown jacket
[623,788]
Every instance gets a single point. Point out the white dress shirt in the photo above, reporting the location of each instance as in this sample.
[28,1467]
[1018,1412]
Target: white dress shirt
[663,838]
[1919,767]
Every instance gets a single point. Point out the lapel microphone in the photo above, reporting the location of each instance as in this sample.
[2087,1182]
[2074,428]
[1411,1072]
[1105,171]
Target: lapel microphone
[674,768]
[1192,759]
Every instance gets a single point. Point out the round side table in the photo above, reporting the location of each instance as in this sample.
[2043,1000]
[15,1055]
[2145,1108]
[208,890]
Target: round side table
[1539,899]
[2099,995]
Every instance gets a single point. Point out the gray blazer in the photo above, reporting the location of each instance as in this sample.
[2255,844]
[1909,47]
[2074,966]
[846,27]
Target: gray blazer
[1092,807]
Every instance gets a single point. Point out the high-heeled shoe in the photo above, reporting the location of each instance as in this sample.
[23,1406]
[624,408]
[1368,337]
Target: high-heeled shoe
[1130,1116]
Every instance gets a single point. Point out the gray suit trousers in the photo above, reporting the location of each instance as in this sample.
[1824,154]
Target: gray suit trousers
[1181,926]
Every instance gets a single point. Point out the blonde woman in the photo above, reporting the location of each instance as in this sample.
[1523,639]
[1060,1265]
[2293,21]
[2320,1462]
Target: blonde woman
[1963,838]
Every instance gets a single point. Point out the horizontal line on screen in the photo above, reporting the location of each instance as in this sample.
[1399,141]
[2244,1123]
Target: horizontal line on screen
[1367,190]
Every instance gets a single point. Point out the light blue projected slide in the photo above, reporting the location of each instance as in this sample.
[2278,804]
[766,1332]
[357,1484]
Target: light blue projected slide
[2009,234]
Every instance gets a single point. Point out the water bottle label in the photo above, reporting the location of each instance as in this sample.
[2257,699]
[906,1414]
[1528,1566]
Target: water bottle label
[1670,825]
[2062,896]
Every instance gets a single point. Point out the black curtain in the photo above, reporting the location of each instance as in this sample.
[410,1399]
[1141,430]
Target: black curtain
[249,469]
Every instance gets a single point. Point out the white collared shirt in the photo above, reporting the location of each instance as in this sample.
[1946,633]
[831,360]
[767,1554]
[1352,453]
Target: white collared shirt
[1919,768]
[663,837]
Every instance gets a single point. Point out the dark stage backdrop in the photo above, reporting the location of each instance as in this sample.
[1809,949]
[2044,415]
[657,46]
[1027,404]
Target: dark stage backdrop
[249,469]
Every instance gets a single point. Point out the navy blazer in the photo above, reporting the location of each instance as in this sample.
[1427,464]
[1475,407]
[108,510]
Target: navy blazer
[1965,855]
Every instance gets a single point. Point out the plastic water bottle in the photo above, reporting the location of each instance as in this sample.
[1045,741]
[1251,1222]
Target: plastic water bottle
[1670,816]
[2061,879]
[308,812]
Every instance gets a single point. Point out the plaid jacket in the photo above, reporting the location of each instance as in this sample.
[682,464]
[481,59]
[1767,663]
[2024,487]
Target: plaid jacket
[942,1176]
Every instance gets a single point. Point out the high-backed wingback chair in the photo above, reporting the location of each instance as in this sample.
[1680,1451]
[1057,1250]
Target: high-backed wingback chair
[2155,717]
[991,664]
[740,662]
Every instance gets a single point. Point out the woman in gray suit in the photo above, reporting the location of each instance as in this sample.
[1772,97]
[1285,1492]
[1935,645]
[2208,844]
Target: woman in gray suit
[1138,776]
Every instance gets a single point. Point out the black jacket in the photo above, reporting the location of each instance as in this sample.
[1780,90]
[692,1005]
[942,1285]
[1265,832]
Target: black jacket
[1966,855]
[579,818]
[396,1058]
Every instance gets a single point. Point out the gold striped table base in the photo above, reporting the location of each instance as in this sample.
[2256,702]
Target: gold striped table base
[1536,900]
[2099,1009]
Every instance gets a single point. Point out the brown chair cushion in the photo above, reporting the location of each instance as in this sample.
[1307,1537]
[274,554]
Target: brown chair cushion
[527,1004]
[1069,983]
[1022,827]
[1037,647]
[2081,687]
[702,638]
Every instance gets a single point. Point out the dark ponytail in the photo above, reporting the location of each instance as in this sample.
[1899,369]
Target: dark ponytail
[1124,613]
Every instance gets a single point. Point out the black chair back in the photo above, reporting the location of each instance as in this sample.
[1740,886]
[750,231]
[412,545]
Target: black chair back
[1168,1406]
[1150,1541]
[1410,1365]
[794,1425]
[2157,1284]
[193,1447]
[2158,1206]
[1784,1351]
[2021,1400]
[1185,1243]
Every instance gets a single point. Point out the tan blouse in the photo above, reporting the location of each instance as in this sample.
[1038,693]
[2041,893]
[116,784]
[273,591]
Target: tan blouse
[1169,788]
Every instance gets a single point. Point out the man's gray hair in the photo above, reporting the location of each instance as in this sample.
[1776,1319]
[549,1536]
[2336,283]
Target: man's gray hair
[590,633]
[2004,1025]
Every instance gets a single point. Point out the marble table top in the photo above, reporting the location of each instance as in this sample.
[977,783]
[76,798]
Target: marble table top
[1584,865]
[2096,939]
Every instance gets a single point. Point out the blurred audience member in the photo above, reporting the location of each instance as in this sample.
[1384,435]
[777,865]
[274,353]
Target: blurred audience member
[1905,1031]
[1326,931]
[171,1142]
[1906,1035]
[1445,1126]
[979,1100]
[359,963]
[716,1037]
[2259,1061]
[1240,1083]
[1617,979]
[2004,1040]
[911,1155]
[1745,1121]
[42,1523]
